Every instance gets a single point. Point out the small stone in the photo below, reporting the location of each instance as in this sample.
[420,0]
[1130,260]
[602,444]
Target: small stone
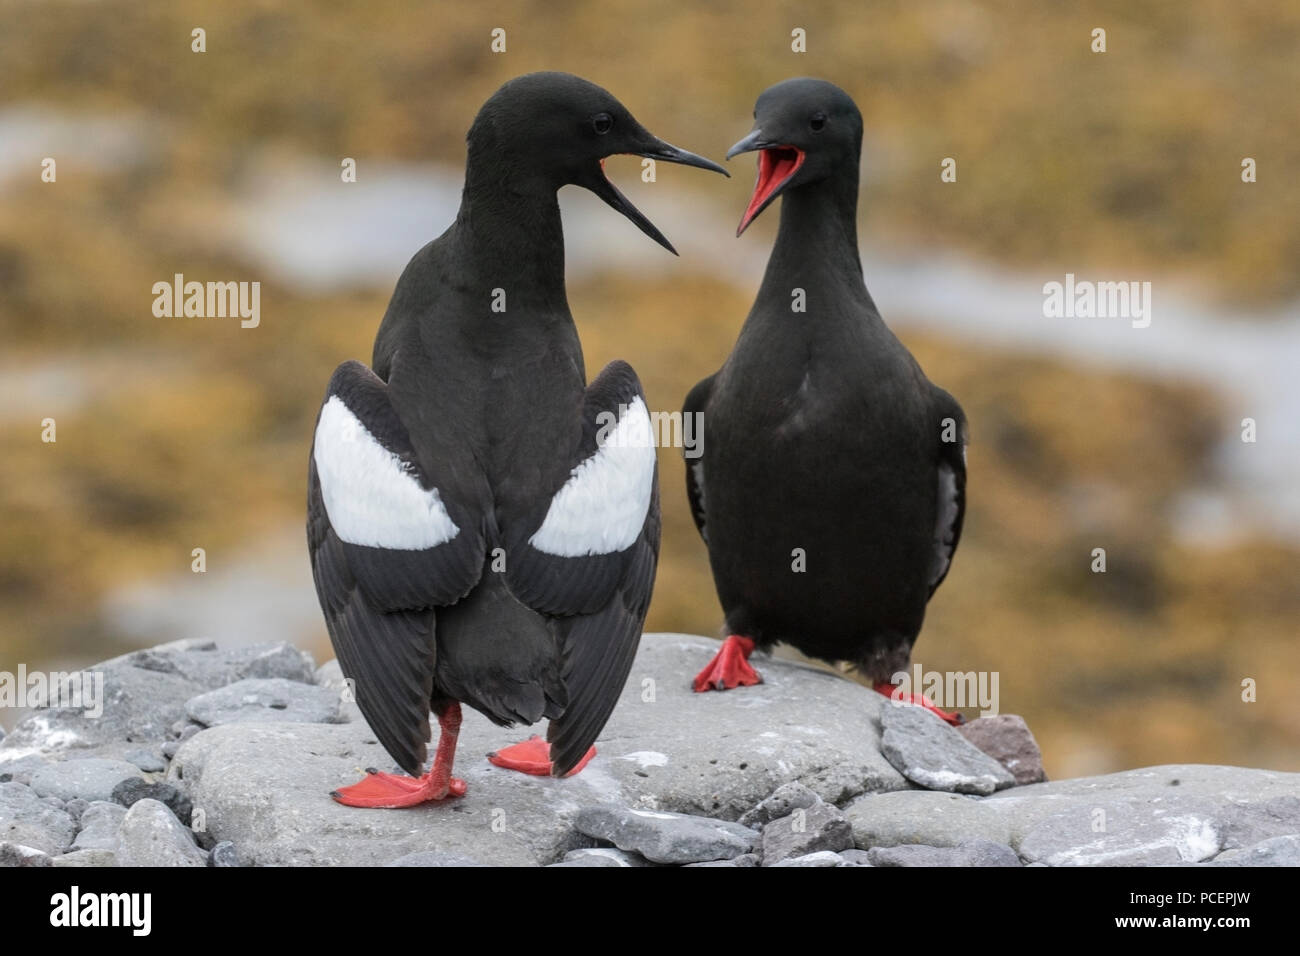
[130,792]
[1007,739]
[820,858]
[784,800]
[99,826]
[16,854]
[152,836]
[931,754]
[223,854]
[87,858]
[91,778]
[856,857]
[820,827]
[265,700]
[169,749]
[975,853]
[147,760]
[666,837]
[27,820]
[76,807]
[1278,851]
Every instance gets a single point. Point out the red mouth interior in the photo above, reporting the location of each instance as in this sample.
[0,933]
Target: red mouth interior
[775,166]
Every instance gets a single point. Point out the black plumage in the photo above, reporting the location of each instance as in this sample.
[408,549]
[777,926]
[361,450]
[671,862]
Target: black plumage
[435,477]
[822,438]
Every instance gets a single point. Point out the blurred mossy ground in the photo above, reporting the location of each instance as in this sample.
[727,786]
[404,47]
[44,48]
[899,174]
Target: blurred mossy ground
[197,432]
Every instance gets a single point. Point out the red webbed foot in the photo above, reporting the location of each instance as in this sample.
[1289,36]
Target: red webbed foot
[954,717]
[729,667]
[392,791]
[532,756]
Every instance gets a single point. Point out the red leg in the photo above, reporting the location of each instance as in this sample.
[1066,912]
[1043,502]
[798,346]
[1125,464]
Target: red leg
[954,717]
[533,756]
[729,667]
[390,791]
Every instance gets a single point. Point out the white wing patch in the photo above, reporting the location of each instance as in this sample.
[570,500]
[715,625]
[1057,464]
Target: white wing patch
[371,496]
[603,505]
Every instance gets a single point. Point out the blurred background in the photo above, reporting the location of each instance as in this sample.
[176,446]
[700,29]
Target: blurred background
[175,434]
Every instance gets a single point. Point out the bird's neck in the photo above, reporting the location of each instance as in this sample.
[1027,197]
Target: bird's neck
[512,232]
[817,243]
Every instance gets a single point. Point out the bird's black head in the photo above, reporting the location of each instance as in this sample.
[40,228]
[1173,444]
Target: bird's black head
[542,131]
[805,130]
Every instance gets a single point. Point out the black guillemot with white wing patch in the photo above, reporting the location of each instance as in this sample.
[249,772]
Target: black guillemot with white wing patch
[483,524]
[831,487]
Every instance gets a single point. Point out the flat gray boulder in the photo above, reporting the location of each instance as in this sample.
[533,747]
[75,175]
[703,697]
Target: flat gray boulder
[666,837]
[1278,851]
[974,853]
[933,755]
[266,787]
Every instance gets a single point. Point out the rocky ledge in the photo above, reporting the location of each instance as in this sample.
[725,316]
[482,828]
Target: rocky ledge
[210,757]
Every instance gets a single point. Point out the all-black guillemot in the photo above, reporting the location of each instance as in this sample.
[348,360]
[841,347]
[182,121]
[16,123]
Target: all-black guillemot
[831,488]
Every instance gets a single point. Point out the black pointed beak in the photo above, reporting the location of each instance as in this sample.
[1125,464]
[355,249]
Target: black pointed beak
[755,140]
[658,150]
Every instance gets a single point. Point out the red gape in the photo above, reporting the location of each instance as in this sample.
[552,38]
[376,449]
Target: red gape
[954,717]
[729,667]
[533,756]
[390,791]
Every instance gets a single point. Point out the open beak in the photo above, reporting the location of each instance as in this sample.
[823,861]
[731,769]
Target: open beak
[777,165]
[658,150]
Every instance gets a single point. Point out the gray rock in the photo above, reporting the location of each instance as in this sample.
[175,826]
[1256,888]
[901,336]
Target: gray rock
[90,778]
[1247,824]
[812,830]
[225,854]
[1007,739]
[99,826]
[820,858]
[86,858]
[144,693]
[745,859]
[926,817]
[130,792]
[265,787]
[265,700]
[931,754]
[785,800]
[618,857]
[17,766]
[1277,851]
[16,854]
[330,675]
[975,853]
[1130,831]
[151,835]
[856,857]
[434,858]
[150,761]
[27,820]
[666,837]
[76,807]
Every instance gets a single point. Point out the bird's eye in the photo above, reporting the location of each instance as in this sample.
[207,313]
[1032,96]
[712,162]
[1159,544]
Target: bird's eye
[818,122]
[602,123]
